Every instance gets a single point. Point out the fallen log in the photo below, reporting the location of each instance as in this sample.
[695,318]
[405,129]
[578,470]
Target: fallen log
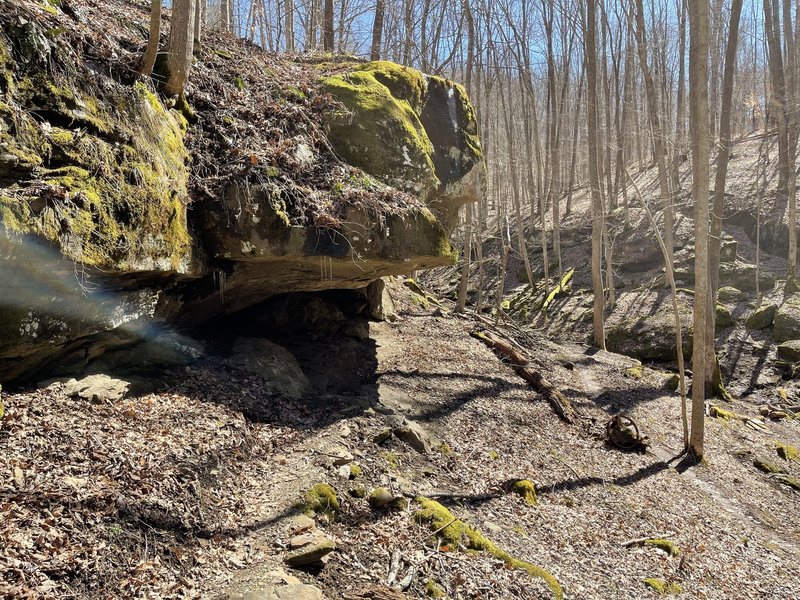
[520,363]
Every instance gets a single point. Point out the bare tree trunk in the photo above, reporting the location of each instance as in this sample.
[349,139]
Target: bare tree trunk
[226,16]
[327,26]
[590,49]
[288,7]
[377,30]
[408,22]
[680,109]
[181,44]
[199,21]
[655,125]
[714,376]
[465,261]
[698,109]
[149,58]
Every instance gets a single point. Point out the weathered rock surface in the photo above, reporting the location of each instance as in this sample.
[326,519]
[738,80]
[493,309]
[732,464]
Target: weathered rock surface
[646,330]
[762,317]
[97,388]
[789,350]
[271,361]
[96,246]
[311,552]
[787,320]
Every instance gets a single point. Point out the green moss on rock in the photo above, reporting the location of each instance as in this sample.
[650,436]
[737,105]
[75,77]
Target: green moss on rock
[382,102]
[787,452]
[455,534]
[106,204]
[767,467]
[321,499]
[525,489]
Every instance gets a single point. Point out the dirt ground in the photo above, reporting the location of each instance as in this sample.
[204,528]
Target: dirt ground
[189,491]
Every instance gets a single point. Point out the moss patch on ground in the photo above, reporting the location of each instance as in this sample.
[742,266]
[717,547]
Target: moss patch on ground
[525,489]
[322,499]
[663,587]
[456,534]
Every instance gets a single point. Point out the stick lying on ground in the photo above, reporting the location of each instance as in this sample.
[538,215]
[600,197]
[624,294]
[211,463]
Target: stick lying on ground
[519,362]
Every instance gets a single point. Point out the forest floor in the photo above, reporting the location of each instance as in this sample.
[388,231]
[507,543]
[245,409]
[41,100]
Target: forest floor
[190,491]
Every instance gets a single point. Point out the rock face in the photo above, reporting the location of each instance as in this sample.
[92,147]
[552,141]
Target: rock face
[787,320]
[97,250]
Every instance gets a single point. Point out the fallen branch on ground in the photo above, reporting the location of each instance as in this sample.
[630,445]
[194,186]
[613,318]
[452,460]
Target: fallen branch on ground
[520,363]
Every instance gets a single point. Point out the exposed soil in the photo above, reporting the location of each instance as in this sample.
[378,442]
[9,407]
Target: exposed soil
[188,492]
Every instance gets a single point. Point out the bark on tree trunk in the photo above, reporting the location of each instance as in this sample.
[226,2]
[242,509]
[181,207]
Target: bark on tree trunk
[698,108]
[181,42]
[149,58]
[590,48]
[377,30]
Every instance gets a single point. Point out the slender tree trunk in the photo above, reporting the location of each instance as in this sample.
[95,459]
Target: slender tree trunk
[288,7]
[655,125]
[377,31]
[408,22]
[181,44]
[199,22]
[327,26]
[680,108]
[590,49]
[149,58]
[698,108]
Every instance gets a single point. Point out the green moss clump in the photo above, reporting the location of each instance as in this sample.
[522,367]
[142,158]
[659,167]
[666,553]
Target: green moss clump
[454,533]
[767,467]
[383,101]
[493,454]
[665,588]
[321,499]
[358,492]
[434,590]
[355,470]
[665,545]
[391,458]
[787,452]
[525,489]
[792,482]
[635,372]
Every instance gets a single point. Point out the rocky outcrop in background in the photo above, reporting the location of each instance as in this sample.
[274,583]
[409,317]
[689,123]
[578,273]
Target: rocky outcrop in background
[121,214]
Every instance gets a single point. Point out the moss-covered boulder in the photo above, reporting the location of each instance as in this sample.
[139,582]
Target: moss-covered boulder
[787,320]
[729,294]
[762,317]
[723,317]
[97,170]
[412,131]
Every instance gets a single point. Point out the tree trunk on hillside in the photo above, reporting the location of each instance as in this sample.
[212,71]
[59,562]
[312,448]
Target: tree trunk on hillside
[288,9]
[699,117]
[181,45]
[226,17]
[199,21]
[655,125]
[590,49]
[465,261]
[149,58]
[327,26]
[408,24]
[680,104]
[377,30]
[714,379]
